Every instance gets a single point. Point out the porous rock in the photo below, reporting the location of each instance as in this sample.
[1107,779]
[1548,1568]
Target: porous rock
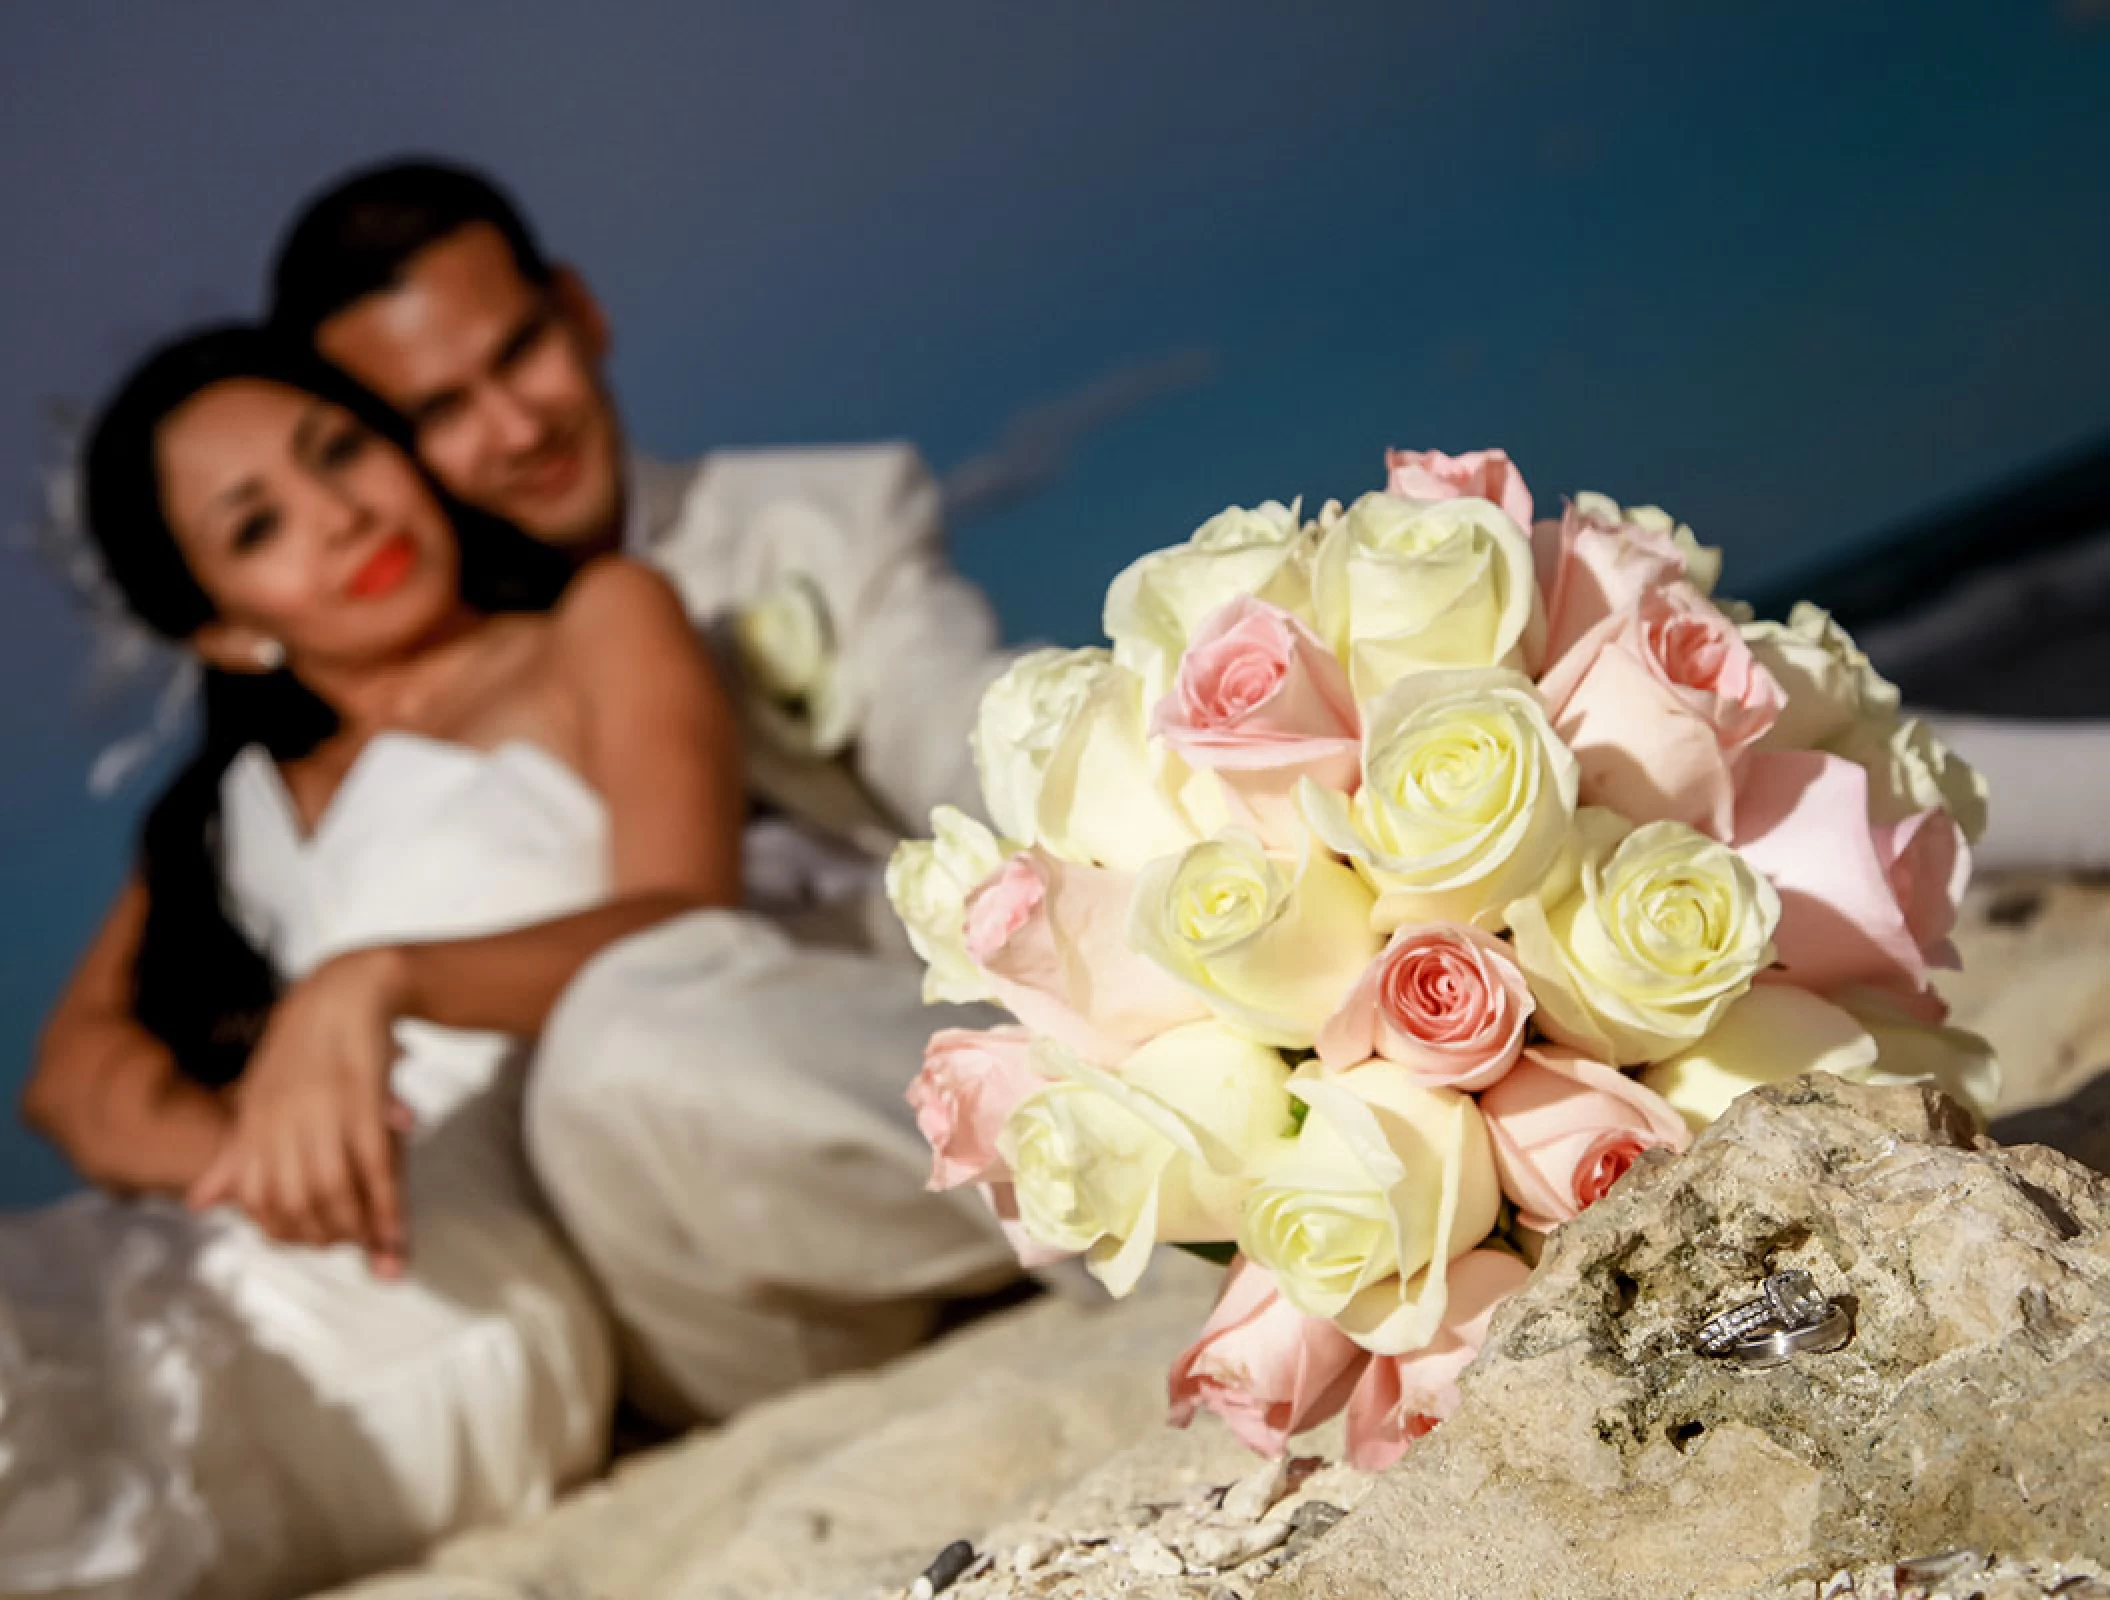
[1595,1454]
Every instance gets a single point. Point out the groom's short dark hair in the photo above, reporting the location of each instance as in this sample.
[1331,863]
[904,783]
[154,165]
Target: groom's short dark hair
[355,238]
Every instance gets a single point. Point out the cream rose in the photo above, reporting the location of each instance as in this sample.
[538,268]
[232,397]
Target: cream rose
[1108,1164]
[1910,1050]
[1909,770]
[1661,932]
[1061,748]
[1466,800]
[1770,1035]
[1775,1033]
[782,636]
[1831,687]
[927,883]
[1359,1216]
[1402,586]
[1025,713]
[787,651]
[1154,606]
[1270,945]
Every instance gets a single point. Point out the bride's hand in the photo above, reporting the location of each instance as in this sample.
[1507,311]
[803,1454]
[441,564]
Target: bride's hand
[312,1155]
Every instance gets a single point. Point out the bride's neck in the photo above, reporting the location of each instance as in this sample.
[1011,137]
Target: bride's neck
[400,692]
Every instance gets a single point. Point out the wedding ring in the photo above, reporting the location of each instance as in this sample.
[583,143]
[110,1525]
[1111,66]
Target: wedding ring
[1789,1305]
[1828,1333]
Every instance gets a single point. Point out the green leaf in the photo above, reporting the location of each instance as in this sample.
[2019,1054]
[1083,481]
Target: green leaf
[1221,1254]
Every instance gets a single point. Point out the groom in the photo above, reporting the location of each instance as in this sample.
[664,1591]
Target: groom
[425,283]
[752,1201]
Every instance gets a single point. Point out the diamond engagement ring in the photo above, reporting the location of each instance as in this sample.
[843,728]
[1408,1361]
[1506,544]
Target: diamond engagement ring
[1790,1315]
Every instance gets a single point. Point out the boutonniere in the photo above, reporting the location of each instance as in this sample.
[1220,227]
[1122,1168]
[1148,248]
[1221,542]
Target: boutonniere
[790,662]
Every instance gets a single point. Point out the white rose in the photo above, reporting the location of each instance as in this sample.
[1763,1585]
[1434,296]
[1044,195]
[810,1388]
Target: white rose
[1466,802]
[1358,1216]
[1910,770]
[1402,586]
[1060,742]
[1155,604]
[1703,562]
[1270,946]
[1662,931]
[927,883]
[1108,1164]
[1830,684]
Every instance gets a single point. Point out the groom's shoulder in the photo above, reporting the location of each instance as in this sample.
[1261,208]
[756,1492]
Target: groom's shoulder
[881,491]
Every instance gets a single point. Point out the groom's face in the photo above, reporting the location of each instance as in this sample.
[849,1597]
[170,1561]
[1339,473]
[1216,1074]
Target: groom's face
[500,377]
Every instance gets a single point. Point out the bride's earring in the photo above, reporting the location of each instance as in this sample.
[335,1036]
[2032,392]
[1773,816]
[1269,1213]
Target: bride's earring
[270,654]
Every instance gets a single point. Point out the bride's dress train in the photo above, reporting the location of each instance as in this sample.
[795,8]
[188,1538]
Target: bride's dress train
[179,1396]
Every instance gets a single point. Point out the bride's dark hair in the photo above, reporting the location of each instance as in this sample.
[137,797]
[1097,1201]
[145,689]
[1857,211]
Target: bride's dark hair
[198,983]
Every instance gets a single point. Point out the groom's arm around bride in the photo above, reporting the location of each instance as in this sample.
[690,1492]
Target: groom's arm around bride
[716,1110]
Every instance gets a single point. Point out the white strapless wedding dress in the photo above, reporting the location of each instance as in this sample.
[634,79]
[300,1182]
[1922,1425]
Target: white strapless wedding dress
[188,1409]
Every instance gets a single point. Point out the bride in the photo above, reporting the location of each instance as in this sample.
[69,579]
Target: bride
[313,1318]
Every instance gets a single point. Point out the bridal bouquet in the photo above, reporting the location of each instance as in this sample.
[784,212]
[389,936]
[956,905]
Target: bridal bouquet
[1392,883]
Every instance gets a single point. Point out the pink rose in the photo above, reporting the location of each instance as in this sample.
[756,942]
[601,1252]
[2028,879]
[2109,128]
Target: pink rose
[1262,702]
[1003,1204]
[1400,1398]
[1478,474]
[1858,904]
[1589,569]
[1659,702]
[1929,867]
[1445,1000]
[971,1079]
[1263,1366]
[1566,1128]
[1052,938]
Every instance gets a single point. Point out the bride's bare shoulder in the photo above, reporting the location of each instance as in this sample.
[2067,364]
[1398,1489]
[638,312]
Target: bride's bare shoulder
[621,624]
[615,596]
[650,702]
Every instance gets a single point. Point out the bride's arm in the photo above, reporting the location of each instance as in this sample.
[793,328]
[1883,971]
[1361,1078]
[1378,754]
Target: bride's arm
[106,1091]
[309,1158]
[662,748]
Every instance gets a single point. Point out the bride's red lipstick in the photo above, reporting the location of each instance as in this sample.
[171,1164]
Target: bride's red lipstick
[387,567]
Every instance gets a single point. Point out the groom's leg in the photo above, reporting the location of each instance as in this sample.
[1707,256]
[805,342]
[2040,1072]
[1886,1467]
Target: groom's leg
[718,1116]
